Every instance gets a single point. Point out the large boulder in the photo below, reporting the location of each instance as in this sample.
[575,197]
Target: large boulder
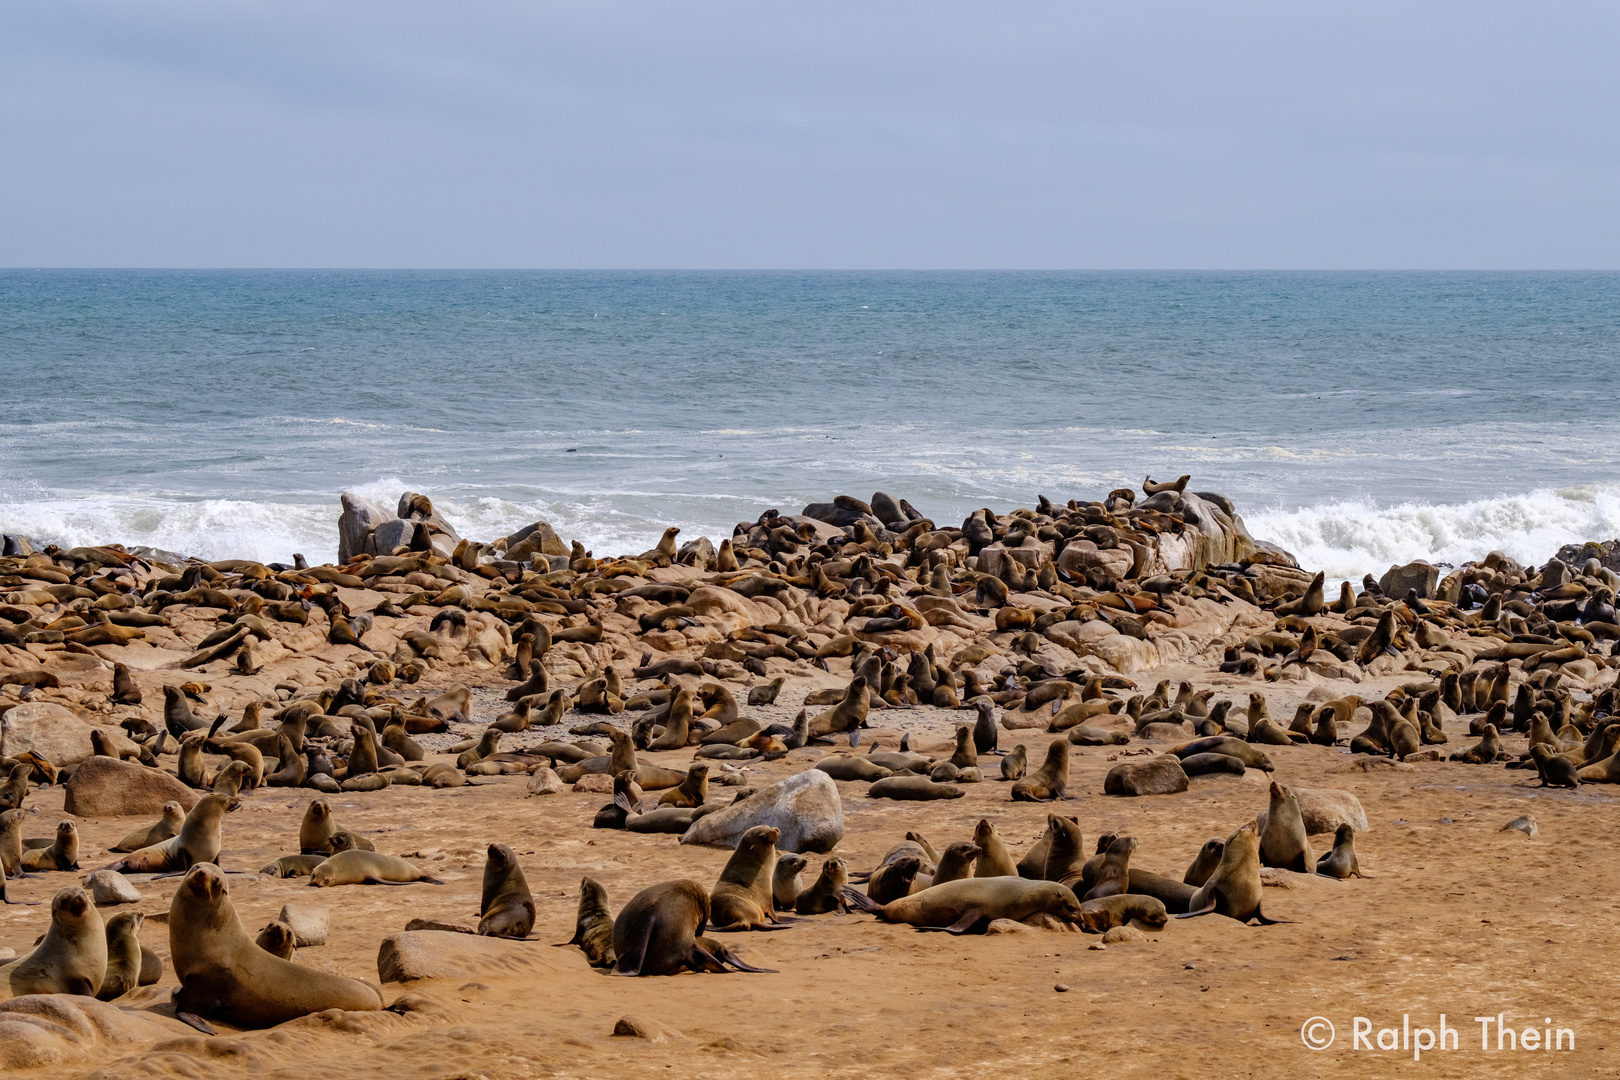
[1162,775]
[107,787]
[1418,575]
[805,807]
[50,730]
[390,536]
[537,539]
[355,524]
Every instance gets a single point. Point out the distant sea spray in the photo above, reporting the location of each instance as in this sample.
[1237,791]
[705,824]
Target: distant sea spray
[1358,420]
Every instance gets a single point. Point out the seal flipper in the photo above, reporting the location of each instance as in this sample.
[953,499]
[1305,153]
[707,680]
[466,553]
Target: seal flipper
[1207,909]
[1261,918]
[640,954]
[193,1020]
[862,901]
[970,918]
[722,956]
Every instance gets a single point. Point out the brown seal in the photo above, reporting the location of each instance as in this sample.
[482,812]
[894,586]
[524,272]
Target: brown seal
[1554,770]
[785,883]
[1106,912]
[70,959]
[293,866]
[827,894]
[593,924]
[1050,781]
[174,816]
[848,714]
[966,904]
[356,867]
[1204,863]
[1015,763]
[124,956]
[277,939]
[894,879]
[198,841]
[742,899]
[913,789]
[994,859]
[1341,861]
[1234,888]
[1113,875]
[1284,844]
[223,973]
[63,854]
[658,933]
[319,829]
[507,907]
[691,791]
[956,862]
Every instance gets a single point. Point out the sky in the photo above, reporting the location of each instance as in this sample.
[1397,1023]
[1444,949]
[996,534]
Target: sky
[231,133]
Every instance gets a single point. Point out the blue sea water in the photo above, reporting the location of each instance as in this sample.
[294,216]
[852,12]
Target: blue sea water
[1357,419]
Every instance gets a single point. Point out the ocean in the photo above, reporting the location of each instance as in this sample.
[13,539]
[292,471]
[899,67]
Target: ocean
[1357,419]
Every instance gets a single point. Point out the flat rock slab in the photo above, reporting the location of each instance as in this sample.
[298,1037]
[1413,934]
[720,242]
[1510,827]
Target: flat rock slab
[436,954]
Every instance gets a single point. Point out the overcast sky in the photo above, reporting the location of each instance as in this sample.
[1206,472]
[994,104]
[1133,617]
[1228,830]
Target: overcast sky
[601,134]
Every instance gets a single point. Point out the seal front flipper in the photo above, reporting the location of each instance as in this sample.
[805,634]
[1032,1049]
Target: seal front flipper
[193,1020]
[628,963]
[970,919]
[713,952]
[1260,917]
[862,901]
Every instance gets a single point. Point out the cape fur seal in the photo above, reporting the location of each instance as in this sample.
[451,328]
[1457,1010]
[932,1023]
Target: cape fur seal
[743,899]
[167,826]
[357,867]
[968,903]
[125,958]
[223,973]
[507,907]
[62,854]
[72,956]
[198,841]
[593,924]
[1234,888]
[659,933]
[1050,781]
[827,894]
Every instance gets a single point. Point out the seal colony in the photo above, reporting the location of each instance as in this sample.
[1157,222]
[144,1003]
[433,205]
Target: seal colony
[856,721]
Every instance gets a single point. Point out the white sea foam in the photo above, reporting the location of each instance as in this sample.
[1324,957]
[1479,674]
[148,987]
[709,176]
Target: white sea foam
[1352,538]
[1346,538]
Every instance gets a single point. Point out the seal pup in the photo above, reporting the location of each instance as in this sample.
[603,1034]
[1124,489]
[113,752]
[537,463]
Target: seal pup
[1284,844]
[956,862]
[223,973]
[691,791]
[124,956]
[293,866]
[985,732]
[894,879]
[1341,861]
[961,906]
[72,956]
[785,883]
[277,939]
[507,907]
[827,894]
[1050,781]
[743,897]
[1233,889]
[1204,863]
[1554,770]
[659,933]
[593,925]
[1106,912]
[1015,763]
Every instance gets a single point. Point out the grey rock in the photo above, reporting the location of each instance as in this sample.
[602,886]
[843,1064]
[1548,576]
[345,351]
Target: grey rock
[805,807]
[355,524]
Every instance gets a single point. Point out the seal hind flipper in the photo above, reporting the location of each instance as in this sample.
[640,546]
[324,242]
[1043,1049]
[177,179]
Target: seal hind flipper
[1207,909]
[862,901]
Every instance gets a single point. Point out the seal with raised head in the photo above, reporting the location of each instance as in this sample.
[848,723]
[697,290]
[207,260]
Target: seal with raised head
[72,956]
[1284,843]
[743,899]
[507,907]
[1050,781]
[785,883]
[223,973]
[319,829]
[174,816]
[1234,888]
[1113,874]
[124,956]
[1204,863]
[956,862]
[198,841]
[593,924]
[63,854]
[827,894]
[994,858]
[659,933]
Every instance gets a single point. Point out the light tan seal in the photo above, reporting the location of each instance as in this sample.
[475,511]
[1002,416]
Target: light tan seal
[63,854]
[969,903]
[124,956]
[507,907]
[319,828]
[356,867]
[1050,781]
[223,973]
[167,826]
[198,841]
[1233,889]
[72,956]
[1284,844]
